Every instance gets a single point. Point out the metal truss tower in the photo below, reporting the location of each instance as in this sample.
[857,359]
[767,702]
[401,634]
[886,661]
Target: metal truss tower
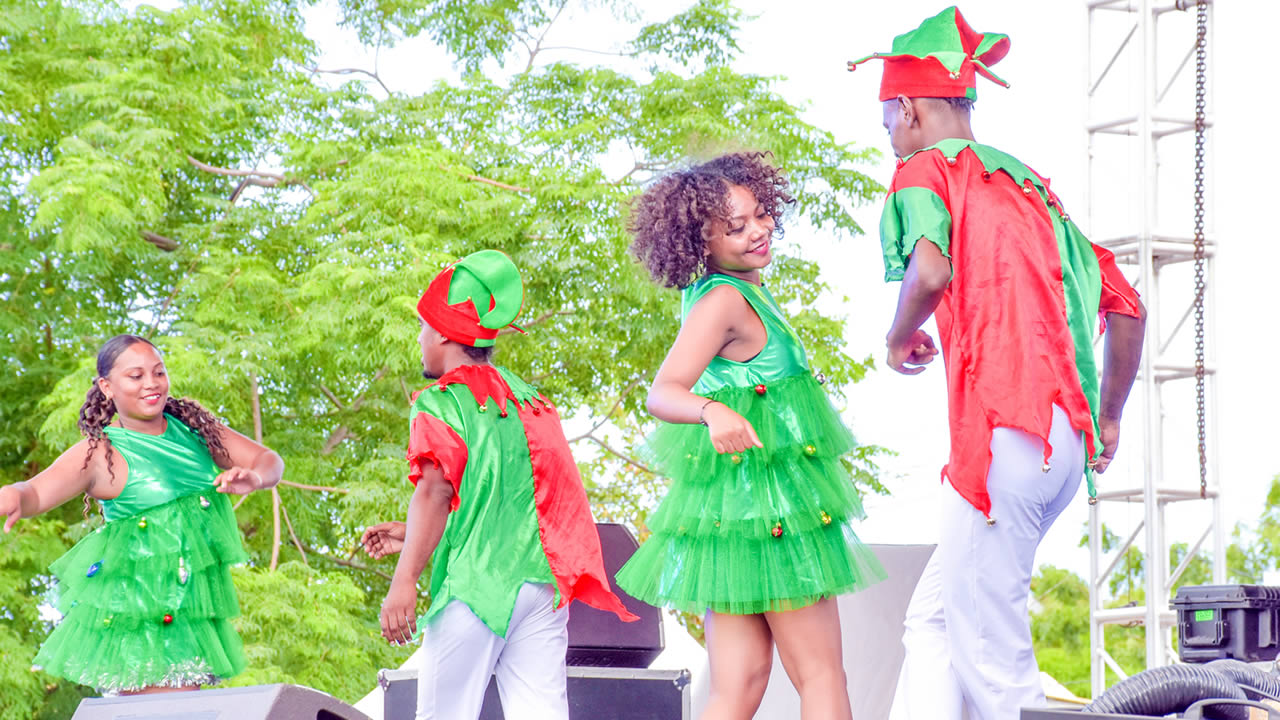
[1148,132]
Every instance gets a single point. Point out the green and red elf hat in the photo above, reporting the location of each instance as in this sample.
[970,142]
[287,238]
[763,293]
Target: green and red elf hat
[474,298]
[941,58]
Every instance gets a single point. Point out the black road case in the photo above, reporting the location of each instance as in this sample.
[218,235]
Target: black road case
[1227,621]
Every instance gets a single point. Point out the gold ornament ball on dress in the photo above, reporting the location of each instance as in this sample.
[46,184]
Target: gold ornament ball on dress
[826,519]
[142,524]
[735,458]
[810,450]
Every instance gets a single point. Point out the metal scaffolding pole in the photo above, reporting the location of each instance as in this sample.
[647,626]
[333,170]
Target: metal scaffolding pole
[1139,109]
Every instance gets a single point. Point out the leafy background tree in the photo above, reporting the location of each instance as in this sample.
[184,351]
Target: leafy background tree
[193,176]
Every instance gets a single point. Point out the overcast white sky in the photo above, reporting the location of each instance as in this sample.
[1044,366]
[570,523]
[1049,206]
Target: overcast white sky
[1040,119]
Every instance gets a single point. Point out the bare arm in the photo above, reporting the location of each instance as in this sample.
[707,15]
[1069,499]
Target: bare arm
[923,285]
[1122,354]
[66,478]
[709,330]
[428,513]
[252,467]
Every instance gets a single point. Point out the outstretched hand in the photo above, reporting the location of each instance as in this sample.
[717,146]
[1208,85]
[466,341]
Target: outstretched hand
[238,480]
[10,506]
[383,539]
[918,351]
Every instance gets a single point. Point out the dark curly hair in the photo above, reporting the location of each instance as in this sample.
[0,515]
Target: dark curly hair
[670,220]
[98,411]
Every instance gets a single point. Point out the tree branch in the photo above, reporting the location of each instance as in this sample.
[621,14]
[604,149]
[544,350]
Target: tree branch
[296,542]
[315,488]
[625,458]
[537,46]
[354,71]
[335,439]
[616,404]
[495,183]
[332,398]
[348,563]
[160,241]
[275,528]
[236,173]
[538,320]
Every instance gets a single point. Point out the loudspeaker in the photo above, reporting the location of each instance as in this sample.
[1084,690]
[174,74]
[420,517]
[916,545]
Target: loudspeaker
[594,693]
[599,638]
[260,702]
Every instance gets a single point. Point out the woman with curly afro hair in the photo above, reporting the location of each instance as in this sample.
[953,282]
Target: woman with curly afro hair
[756,530]
[147,598]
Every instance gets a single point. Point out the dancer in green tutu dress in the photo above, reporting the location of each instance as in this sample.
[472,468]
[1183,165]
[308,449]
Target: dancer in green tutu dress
[757,527]
[147,598]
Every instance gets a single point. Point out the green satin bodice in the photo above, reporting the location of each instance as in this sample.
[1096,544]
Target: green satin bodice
[162,468]
[782,355]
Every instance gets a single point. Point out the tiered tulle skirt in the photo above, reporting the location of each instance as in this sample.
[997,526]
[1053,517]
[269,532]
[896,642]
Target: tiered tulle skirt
[769,529]
[147,600]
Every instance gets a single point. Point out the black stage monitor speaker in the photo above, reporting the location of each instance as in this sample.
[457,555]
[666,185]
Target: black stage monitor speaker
[260,702]
[598,638]
[595,693]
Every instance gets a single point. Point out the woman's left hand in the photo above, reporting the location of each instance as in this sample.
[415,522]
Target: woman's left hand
[238,480]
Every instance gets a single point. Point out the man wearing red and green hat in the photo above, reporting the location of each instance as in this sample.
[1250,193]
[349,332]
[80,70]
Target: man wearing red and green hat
[499,507]
[980,241]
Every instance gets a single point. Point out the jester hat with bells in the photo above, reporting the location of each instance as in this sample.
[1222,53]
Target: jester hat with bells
[941,58]
[474,298]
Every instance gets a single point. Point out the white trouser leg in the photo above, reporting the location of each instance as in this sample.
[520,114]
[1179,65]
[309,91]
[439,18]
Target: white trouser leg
[531,668]
[458,655]
[986,570]
[927,687]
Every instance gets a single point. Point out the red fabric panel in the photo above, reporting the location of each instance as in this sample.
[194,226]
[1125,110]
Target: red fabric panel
[1002,323]
[923,77]
[432,440]
[568,531]
[1118,296]
[458,322]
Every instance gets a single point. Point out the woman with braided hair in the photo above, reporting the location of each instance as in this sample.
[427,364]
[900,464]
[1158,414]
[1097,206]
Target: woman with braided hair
[147,598]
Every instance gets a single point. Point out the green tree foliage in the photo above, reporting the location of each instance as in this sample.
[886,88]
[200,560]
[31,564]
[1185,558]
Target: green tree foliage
[193,176]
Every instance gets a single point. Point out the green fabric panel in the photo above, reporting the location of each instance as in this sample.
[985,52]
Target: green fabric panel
[911,214]
[782,355]
[485,274]
[162,467]
[1082,288]
[938,37]
[493,535]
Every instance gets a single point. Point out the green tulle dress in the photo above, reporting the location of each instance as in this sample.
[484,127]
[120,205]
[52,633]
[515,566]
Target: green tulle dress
[769,529]
[147,598]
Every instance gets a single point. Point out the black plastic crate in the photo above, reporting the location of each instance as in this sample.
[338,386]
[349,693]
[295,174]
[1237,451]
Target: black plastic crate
[1228,621]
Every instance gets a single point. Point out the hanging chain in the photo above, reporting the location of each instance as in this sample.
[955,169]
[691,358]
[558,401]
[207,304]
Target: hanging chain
[1202,18]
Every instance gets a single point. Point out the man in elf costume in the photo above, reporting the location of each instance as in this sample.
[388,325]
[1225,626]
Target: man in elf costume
[980,241]
[499,501]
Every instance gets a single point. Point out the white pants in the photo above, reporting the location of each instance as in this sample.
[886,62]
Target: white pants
[968,635]
[460,653]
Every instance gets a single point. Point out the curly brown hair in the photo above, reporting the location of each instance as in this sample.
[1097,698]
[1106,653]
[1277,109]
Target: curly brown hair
[98,411]
[670,220]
